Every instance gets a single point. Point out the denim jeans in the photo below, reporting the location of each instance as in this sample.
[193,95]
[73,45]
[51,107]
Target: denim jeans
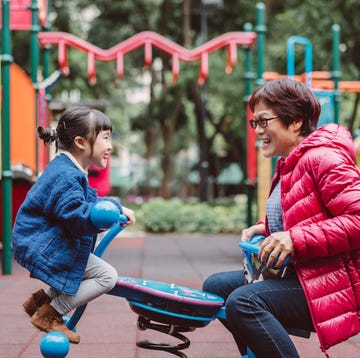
[99,278]
[258,314]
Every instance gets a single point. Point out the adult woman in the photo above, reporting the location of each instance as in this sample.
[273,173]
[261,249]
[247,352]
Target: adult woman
[313,214]
[53,235]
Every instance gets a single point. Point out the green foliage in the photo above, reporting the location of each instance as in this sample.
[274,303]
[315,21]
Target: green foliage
[106,23]
[161,216]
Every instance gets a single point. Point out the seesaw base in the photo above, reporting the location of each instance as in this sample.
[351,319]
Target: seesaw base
[174,331]
[169,309]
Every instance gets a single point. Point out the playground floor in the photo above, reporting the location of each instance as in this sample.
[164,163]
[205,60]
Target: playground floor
[108,327]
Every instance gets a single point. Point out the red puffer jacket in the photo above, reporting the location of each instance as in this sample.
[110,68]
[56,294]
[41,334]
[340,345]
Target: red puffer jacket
[320,196]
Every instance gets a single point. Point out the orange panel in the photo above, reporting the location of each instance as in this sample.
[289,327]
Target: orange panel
[320,80]
[22,118]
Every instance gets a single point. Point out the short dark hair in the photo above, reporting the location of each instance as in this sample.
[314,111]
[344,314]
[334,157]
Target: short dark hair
[291,101]
[76,121]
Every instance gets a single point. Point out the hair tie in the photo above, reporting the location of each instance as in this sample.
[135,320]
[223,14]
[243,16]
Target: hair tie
[54,134]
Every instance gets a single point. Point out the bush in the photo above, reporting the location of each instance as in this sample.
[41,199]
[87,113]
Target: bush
[159,216]
[196,218]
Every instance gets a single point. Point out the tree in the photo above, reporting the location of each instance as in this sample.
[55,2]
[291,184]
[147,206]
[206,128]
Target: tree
[171,112]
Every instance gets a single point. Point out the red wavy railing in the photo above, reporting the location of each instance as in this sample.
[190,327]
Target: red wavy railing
[148,39]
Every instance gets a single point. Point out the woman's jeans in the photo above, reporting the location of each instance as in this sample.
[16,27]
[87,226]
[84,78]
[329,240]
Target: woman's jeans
[258,314]
[99,278]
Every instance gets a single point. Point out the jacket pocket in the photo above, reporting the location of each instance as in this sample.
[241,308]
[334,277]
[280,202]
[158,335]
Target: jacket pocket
[60,253]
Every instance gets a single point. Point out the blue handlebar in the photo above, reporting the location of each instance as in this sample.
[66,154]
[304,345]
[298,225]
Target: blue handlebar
[110,236]
[252,247]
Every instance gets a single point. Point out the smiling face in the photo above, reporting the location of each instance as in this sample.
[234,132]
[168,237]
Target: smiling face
[101,149]
[97,154]
[277,140]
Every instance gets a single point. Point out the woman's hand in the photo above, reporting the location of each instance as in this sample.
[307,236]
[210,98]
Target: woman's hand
[275,248]
[130,215]
[248,233]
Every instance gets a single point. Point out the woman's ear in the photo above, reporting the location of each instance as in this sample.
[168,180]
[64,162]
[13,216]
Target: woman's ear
[297,124]
[79,142]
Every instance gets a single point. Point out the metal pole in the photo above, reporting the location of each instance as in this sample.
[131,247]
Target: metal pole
[34,50]
[336,74]
[6,173]
[260,29]
[249,75]
[46,50]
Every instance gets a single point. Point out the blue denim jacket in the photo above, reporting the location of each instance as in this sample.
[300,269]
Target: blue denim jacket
[53,235]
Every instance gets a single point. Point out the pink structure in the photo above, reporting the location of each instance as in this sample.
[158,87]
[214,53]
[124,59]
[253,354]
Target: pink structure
[148,39]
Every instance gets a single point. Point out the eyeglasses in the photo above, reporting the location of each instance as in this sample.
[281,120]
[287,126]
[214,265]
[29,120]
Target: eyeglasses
[263,122]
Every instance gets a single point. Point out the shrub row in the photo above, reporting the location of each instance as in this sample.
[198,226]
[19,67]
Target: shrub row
[163,216]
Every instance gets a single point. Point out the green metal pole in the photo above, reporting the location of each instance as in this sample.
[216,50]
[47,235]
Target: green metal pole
[34,50]
[249,75]
[6,173]
[46,50]
[260,29]
[336,74]
[261,34]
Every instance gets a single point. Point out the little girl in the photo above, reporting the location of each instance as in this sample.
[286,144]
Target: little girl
[53,236]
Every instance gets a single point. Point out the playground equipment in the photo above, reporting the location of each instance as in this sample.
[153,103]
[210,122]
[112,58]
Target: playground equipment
[164,307]
[54,345]
[147,39]
[30,9]
[104,214]
[325,85]
[167,308]
[252,265]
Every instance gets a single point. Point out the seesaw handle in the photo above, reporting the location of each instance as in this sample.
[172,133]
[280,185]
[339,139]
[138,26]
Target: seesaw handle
[110,236]
[252,247]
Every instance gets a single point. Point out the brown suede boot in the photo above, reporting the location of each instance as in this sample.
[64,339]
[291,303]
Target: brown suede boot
[47,319]
[35,301]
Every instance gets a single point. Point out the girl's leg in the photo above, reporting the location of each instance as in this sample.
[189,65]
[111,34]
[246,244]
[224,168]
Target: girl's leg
[51,292]
[257,314]
[99,278]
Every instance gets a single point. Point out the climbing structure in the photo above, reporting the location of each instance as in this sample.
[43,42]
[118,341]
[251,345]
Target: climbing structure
[148,40]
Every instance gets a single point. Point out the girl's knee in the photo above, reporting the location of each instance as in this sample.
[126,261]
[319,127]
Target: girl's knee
[114,277]
[110,278]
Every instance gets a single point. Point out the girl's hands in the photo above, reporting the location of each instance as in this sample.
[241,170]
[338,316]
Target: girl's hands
[130,215]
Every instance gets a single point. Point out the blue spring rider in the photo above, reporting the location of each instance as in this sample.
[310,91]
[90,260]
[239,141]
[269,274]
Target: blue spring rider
[163,307]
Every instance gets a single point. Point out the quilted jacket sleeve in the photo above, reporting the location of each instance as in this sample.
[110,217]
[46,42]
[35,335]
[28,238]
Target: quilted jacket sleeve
[335,227]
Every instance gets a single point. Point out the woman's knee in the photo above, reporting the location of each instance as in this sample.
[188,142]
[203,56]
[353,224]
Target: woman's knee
[223,283]
[231,306]
[238,305]
[211,283]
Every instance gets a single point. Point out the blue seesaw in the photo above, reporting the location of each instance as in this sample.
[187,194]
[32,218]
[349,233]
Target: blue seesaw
[163,307]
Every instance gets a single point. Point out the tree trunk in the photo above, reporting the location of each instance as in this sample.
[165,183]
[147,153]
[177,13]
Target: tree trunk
[168,126]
